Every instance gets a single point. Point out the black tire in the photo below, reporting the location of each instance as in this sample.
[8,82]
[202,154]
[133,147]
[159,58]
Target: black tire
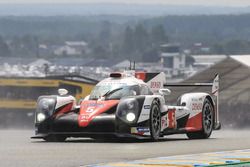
[155,121]
[207,122]
[55,138]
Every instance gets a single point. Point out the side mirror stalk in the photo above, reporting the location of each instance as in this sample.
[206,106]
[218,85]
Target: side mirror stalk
[165,92]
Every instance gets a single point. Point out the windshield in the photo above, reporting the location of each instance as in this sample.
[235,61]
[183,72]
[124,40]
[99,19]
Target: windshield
[114,91]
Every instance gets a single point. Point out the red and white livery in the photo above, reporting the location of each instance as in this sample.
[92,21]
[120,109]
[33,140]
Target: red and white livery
[129,104]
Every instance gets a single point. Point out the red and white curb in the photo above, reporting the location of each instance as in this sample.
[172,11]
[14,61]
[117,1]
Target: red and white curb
[192,160]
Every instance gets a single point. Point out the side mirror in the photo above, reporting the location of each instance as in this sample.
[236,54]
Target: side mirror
[132,92]
[165,92]
[62,92]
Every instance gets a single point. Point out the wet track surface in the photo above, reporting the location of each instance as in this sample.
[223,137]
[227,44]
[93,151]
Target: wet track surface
[17,149]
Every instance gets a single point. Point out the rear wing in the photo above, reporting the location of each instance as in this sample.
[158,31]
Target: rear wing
[214,92]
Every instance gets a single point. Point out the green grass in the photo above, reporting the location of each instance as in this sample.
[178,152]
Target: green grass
[241,164]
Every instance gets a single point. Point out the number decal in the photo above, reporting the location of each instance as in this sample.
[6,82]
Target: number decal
[171,119]
[155,85]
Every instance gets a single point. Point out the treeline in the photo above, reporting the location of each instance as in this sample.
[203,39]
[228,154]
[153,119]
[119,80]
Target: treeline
[125,36]
[134,43]
[224,34]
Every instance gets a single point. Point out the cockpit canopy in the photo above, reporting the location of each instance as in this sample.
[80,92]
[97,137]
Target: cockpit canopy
[115,89]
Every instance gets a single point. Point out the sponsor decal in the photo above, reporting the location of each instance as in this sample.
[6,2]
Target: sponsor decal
[171,119]
[155,85]
[196,100]
[134,130]
[140,130]
[164,123]
[93,105]
[197,106]
[111,83]
[90,109]
[84,118]
[147,106]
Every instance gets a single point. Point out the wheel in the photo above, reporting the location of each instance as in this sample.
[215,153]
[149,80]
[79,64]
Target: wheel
[55,138]
[155,121]
[207,122]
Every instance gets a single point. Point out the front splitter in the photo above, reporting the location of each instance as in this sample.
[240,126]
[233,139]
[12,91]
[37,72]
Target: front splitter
[91,134]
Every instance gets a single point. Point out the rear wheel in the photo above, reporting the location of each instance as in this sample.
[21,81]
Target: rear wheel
[155,121]
[207,122]
[55,138]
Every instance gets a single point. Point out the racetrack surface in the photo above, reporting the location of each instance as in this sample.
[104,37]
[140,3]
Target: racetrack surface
[17,149]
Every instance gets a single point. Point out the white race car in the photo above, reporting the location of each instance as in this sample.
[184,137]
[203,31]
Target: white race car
[127,104]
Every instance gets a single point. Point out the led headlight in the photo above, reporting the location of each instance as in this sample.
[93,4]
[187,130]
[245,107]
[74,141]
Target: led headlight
[128,110]
[45,105]
[131,105]
[130,117]
[40,117]
[45,108]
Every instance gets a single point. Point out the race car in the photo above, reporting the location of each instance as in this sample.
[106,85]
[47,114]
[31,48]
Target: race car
[128,104]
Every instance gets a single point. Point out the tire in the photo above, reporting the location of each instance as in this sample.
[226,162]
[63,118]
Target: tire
[55,138]
[155,121]
[207,122]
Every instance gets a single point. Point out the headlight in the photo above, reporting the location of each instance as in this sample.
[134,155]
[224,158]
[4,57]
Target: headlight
[130,117]
[45,105]
[131,105]
[40,117]
[45,108]
[127,110]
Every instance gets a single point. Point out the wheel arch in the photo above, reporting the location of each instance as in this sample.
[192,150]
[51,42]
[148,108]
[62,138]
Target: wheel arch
[203,134]
[158,100]
[210,99]
[155,137]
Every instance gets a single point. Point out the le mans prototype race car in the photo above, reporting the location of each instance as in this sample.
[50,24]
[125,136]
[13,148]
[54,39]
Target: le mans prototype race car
[127,104]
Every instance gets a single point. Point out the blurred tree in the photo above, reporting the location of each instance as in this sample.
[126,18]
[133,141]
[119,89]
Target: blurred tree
[29,45]
[108,32]
[141,38]
[4,48]
[158,35]
[100,52]
[237,47]
[128,46]
[151,55]
[218,49]
[105,33]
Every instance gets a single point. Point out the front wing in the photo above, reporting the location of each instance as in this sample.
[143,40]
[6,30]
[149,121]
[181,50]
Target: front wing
[104,125]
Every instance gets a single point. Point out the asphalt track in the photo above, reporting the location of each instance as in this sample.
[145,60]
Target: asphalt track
[17,149]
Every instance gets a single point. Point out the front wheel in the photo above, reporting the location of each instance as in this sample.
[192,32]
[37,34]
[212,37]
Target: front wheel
[155,121]
[207,122]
